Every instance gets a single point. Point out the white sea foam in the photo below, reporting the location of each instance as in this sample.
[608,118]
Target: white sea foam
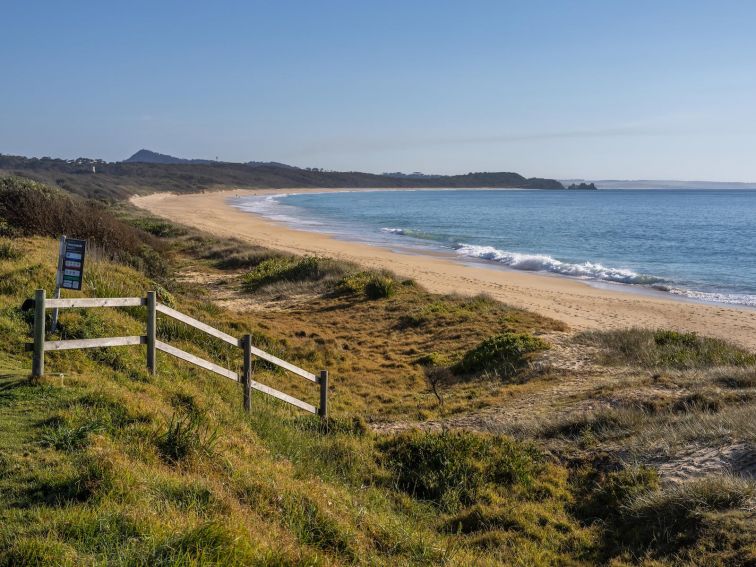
[714,297]
[390,230]
[544,263]
[270,207]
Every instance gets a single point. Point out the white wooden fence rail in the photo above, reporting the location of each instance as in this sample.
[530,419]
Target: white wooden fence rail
[40,346]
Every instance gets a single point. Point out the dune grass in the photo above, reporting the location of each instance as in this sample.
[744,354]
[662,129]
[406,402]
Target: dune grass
[662,348]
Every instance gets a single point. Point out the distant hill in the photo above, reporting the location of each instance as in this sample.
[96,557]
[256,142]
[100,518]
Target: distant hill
[148,156]
[103,180]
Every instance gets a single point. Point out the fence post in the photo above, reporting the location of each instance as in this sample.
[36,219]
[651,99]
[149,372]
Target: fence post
[323,409]
[38,359]
[151,332]
[247,372]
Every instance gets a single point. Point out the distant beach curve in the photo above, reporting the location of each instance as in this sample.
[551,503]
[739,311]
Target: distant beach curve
[580,305]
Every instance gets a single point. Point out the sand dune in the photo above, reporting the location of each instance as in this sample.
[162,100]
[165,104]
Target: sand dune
[578,304]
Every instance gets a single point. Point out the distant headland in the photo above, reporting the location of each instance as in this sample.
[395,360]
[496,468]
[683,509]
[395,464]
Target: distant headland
[149,172]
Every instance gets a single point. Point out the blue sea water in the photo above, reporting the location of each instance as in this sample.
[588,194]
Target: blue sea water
[699,244]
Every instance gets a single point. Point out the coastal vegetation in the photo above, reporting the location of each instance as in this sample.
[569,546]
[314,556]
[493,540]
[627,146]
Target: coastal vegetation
[109,181]
[545,447]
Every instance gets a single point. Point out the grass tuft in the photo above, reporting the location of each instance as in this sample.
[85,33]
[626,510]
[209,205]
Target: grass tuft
[186,436]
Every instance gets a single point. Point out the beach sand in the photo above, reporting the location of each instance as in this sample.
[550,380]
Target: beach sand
[574,302]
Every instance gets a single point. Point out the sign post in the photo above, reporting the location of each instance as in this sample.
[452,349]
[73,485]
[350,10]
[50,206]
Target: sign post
[70,269]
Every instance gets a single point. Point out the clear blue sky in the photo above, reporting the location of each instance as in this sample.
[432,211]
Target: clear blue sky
[595,89]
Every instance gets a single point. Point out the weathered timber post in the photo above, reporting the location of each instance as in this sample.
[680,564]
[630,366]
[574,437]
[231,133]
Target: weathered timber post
[247,372]
[58,282]
[38,359]
[151,332]
[323,409]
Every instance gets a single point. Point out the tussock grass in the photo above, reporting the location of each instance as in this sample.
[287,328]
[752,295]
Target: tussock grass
[187,435]
[9,250]
[660,522]
[290,270]
[666,349]
[738,378]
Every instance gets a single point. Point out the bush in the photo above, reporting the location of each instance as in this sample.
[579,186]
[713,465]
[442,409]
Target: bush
[667,349]
[455,469]
[503,354]
[355,282]
[379,287]
[28,208]
[432,359]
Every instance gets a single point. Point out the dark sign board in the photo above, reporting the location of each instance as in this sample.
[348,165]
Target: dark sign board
[72,264]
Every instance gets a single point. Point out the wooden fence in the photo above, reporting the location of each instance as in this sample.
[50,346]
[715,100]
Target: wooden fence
[41,346]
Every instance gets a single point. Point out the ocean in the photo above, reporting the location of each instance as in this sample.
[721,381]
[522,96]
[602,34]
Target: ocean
[698,244]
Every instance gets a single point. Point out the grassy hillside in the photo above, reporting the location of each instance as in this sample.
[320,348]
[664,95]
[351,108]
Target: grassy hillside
[121,180]
[561,449]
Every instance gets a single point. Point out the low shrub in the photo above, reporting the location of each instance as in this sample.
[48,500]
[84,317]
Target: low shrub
[370,284]
[503,354]
[355,282]
[380,287]
[28,208]
[159,227]
[433,359]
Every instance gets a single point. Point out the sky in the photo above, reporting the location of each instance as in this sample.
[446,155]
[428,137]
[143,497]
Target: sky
[606,89]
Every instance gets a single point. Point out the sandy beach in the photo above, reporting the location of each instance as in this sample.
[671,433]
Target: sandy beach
[578,304]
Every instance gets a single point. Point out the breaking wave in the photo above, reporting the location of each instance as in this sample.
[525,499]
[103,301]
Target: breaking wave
[544,263]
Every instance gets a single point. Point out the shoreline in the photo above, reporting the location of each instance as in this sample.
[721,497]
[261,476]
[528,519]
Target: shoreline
[580,304]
